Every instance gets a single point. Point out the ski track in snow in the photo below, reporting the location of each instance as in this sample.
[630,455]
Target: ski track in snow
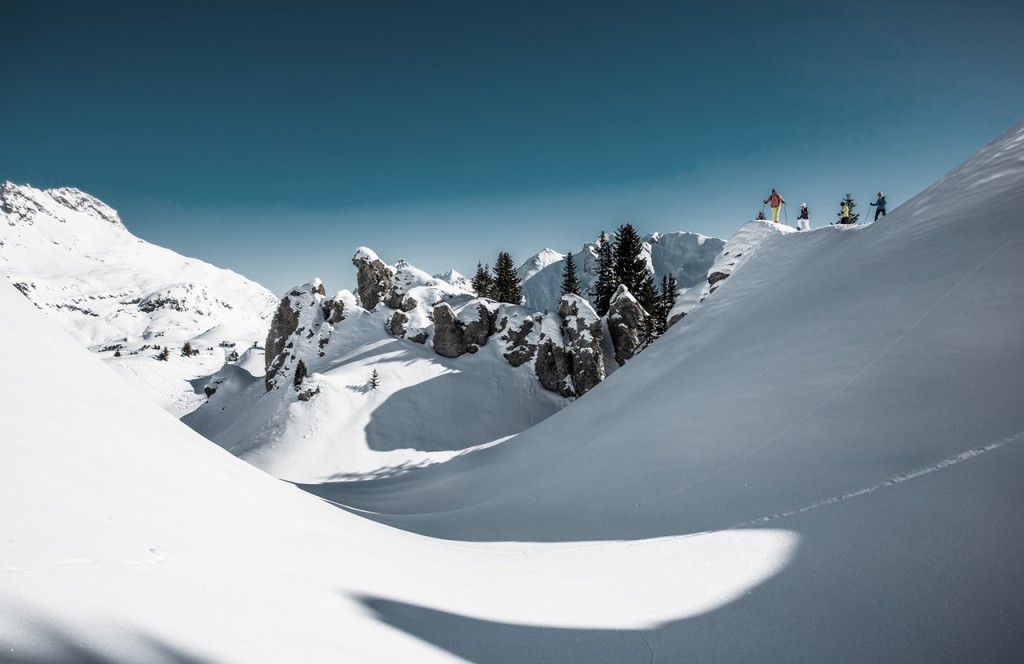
[856,376]
[892,481]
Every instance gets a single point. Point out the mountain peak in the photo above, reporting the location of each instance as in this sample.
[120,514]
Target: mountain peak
[24,202]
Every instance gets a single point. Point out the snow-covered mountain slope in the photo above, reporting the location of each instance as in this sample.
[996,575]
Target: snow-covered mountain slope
[125,538]
[117,294]
[860,387]
[687,256]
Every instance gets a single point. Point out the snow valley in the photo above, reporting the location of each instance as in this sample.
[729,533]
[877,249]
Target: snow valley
[819,461]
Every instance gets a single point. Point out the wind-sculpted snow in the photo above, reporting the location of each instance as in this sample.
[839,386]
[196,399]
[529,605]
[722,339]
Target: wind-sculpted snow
[856,352]
[856,388]
[860,386]
[127,538]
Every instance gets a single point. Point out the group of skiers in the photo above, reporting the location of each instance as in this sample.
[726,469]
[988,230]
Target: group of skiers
[803,220]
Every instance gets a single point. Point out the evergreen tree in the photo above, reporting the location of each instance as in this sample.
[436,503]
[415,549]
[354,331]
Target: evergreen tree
[604,286]
[187,350]
[854,216]
[761,217]
[666,300]
[631,268]
[164,355]
[483,282]
[374,380]
[300,374]
[570,282]
[507,287]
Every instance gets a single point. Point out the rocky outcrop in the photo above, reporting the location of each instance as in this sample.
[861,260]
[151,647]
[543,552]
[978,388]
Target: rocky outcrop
[449,335]
[300,329]
[516,339]
[581,329]
[452,337]
[477,332]
[554,368]
[627,323]
[334,310]
[396,324]
[373,278]
[282,327]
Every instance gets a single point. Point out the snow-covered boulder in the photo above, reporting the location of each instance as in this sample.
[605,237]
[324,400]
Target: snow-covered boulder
[627,323]
[582,330]
[373,277]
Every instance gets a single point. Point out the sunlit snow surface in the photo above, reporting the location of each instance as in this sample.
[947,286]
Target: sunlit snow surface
[820,463]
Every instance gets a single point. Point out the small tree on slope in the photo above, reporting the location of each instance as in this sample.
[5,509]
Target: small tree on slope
[483,282]
[604,286]
[570,282]
[507,287]
[631,267]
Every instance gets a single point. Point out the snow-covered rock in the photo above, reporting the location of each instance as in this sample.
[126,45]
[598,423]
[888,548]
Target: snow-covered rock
[627,324]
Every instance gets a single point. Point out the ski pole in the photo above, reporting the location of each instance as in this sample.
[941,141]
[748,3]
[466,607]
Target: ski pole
[786,208]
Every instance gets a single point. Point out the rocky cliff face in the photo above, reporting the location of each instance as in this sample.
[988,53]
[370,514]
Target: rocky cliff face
[581,329]
[302,326]
[373,278]
[627,323]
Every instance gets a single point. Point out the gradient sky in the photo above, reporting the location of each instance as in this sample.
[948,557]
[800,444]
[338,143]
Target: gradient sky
[275,138]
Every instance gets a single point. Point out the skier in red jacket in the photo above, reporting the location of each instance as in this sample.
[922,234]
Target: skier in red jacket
[775,201]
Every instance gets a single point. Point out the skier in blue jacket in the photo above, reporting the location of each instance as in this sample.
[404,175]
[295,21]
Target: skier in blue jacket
[879,205]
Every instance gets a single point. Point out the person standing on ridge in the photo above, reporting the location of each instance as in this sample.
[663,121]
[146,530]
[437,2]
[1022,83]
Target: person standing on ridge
[803,220]
[880,205]
[844,213]
[775,200]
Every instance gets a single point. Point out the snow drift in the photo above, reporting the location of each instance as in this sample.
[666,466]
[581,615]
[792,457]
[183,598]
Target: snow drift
[820,463]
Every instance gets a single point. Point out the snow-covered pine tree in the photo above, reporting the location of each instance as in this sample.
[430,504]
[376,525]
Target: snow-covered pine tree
[187,350]
[854,216]
[604,286]
[507,287]
[164,355]
[483,281]
[631,266]
[570,282]
[300,374]
[374,380]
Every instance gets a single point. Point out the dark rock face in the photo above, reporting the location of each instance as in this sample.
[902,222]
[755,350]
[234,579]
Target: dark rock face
[520,351]
[479,331]
[334,311]
[553,368]
[581,328]
[396,325]
[627,322]
[715,277]
[284,324]
[373,279]
[449,335]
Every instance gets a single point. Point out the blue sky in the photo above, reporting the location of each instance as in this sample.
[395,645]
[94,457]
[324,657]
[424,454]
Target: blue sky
[276,138]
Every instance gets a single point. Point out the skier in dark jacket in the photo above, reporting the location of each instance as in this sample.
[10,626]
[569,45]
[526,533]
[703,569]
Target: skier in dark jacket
[879,205]
[803,220]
